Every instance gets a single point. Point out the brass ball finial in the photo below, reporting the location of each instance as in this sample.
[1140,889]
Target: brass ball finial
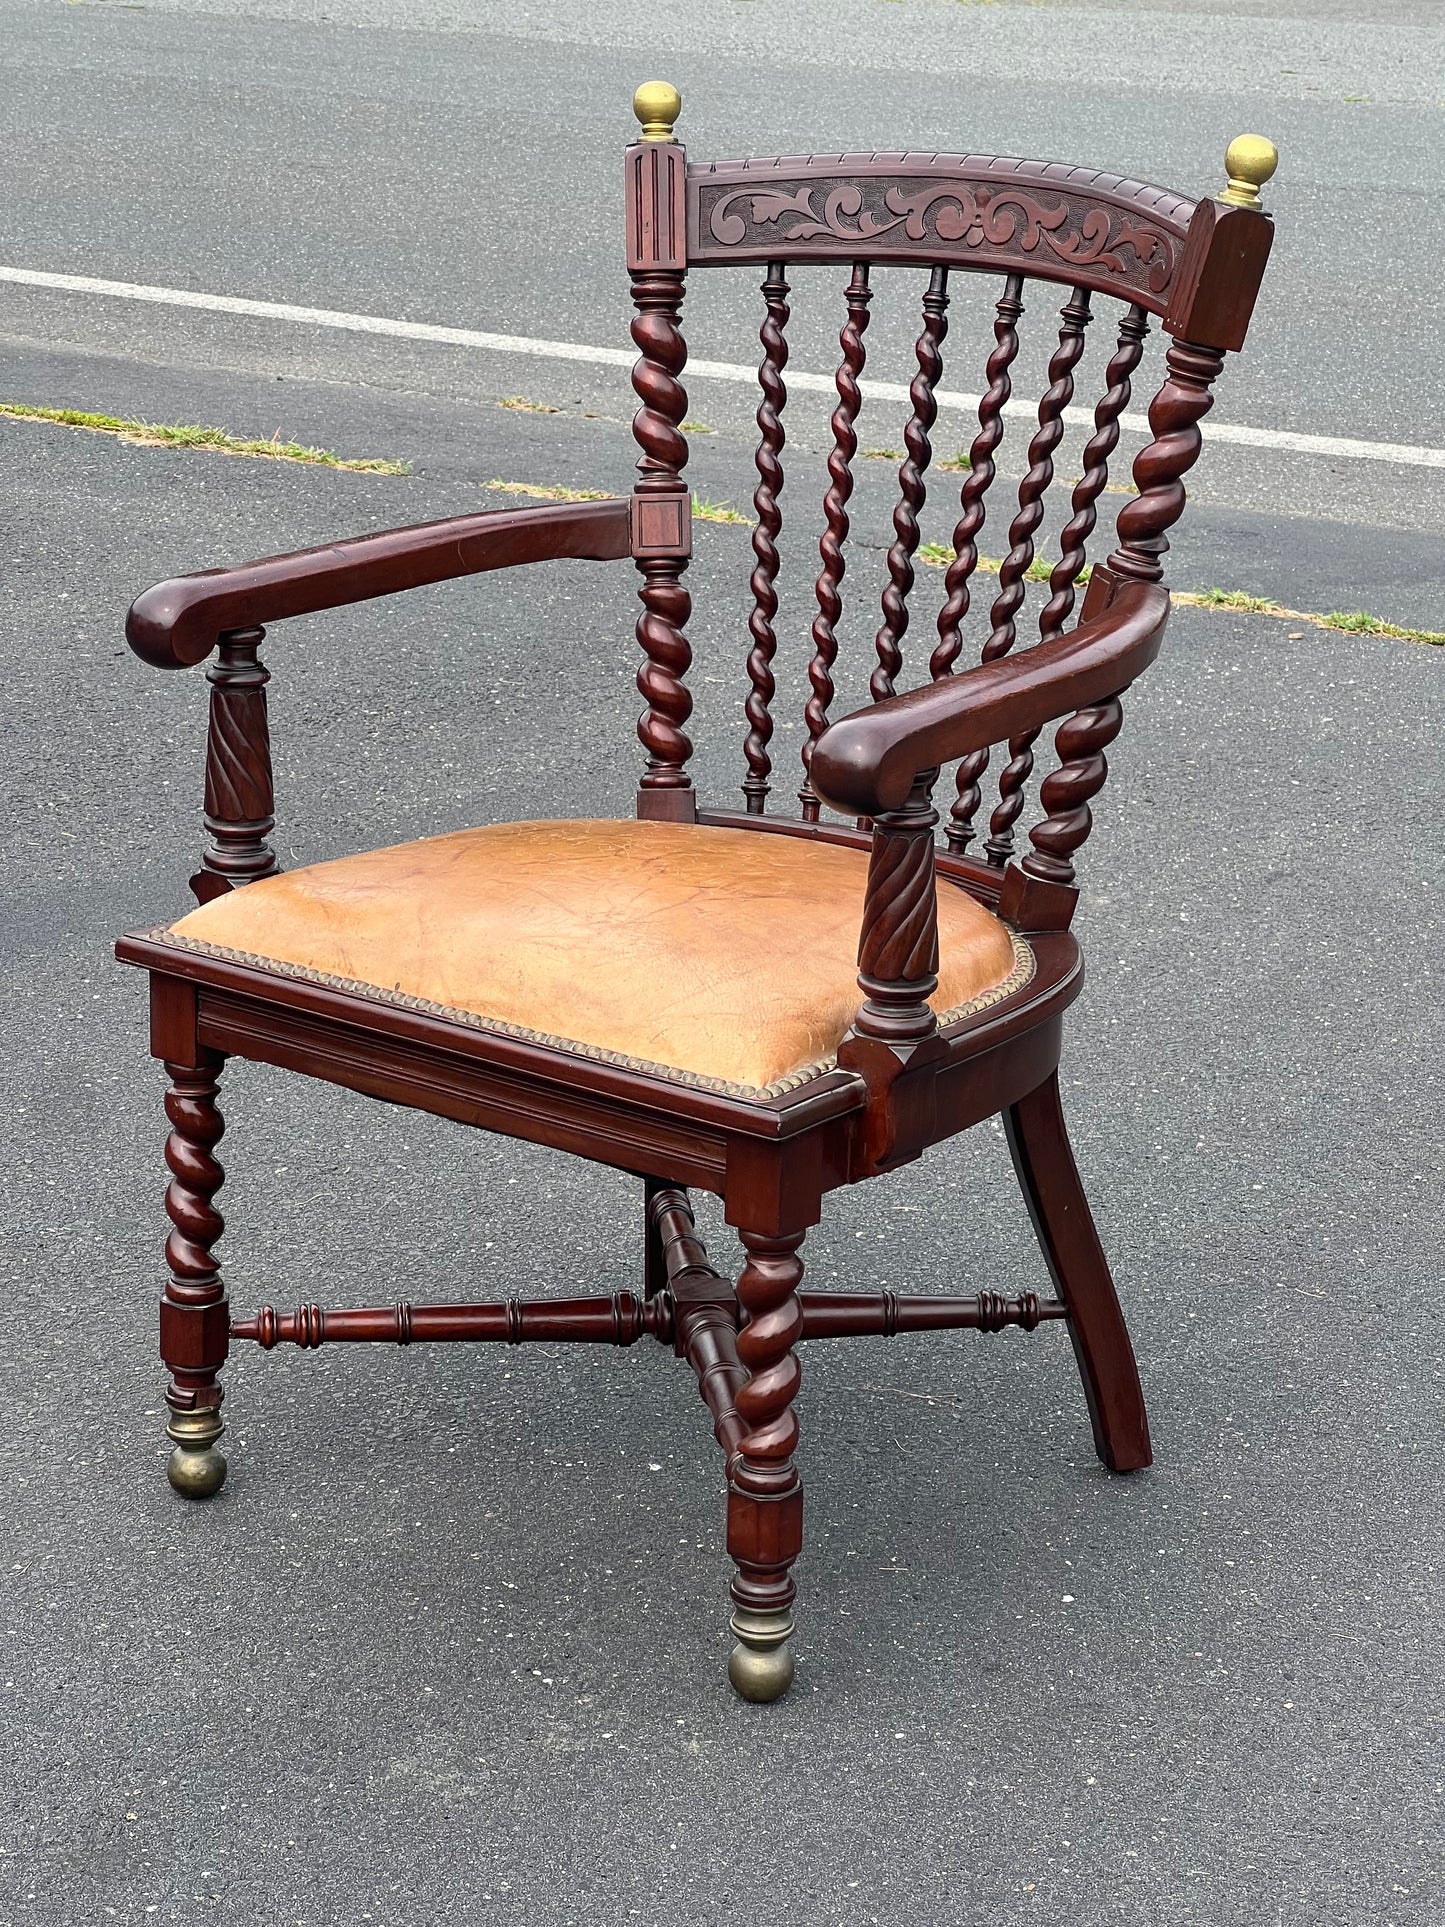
[1249,161]
[657,106]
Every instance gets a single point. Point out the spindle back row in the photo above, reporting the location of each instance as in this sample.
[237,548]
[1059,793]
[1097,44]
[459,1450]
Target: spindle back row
[1196,266]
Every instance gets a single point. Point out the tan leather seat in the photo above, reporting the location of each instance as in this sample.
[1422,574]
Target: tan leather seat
[726,955]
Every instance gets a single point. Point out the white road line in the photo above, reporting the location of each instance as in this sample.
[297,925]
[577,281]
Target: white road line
[1328,446]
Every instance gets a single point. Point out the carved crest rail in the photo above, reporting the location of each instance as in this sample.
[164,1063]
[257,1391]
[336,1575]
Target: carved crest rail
[1060,223]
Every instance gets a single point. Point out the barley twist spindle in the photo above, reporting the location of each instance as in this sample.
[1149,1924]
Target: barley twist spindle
[1174,417]
[912,487]
[193,1308]
[1014,573]
[1073,542]
[765,539]
[666,604]
[763,1471]
[1068,790]
[829,585]
[981,470]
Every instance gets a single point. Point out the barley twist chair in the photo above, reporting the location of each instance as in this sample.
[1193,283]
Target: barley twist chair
[768,1002]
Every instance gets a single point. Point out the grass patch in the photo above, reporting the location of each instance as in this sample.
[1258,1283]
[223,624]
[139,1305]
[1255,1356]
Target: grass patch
[1254,605]
[719,512]
[694,428]
[880,454]
[938,555]
[551,491]
[1354,622]
[521,403]
[1110,488]
[191,435]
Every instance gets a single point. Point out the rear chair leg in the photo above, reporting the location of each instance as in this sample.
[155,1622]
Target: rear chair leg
[1044,1161]
[765,1500]
[654,1265]
[195,1318]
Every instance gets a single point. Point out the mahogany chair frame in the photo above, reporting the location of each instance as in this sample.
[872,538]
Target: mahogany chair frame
[900,1084]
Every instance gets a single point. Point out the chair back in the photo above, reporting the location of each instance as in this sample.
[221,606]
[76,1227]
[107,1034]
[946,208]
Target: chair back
[1139,251]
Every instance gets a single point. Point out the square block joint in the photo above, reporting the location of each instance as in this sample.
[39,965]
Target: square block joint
[661,528]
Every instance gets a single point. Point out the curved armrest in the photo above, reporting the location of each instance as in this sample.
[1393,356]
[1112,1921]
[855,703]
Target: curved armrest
[865,764]
[177,623]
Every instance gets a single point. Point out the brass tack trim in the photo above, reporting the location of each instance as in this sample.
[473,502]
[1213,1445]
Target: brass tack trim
[1021,974]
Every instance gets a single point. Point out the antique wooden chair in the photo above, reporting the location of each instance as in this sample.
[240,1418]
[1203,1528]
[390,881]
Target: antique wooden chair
[493,975]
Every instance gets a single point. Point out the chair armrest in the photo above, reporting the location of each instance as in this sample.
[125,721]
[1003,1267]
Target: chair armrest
[176,624]
[865,764]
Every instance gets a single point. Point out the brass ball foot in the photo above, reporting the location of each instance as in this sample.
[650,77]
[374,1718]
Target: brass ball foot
[761,1664]
[195,1468]
[196,1475]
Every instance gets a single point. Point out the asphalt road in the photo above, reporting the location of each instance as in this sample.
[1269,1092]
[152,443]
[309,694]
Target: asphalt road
[460,165]
[450,1645]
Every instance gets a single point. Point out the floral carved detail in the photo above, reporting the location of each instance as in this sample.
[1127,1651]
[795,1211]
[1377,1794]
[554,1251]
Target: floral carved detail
[912,213]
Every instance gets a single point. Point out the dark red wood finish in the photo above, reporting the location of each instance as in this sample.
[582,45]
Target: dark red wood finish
[829,587]
[657,265]
[901,1082]
[1049,1178]
[240,799]
[765,541]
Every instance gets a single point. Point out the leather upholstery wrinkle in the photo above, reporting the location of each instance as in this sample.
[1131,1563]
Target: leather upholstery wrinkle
[725,953]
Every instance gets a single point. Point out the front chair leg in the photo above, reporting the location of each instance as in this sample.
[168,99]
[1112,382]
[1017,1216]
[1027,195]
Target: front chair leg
[195,1318]
[765,1499]
[1044,1161]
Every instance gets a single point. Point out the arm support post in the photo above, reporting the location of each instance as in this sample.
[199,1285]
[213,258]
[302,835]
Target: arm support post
[894,1043]
[240,799]
[881,762]
[179,623]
